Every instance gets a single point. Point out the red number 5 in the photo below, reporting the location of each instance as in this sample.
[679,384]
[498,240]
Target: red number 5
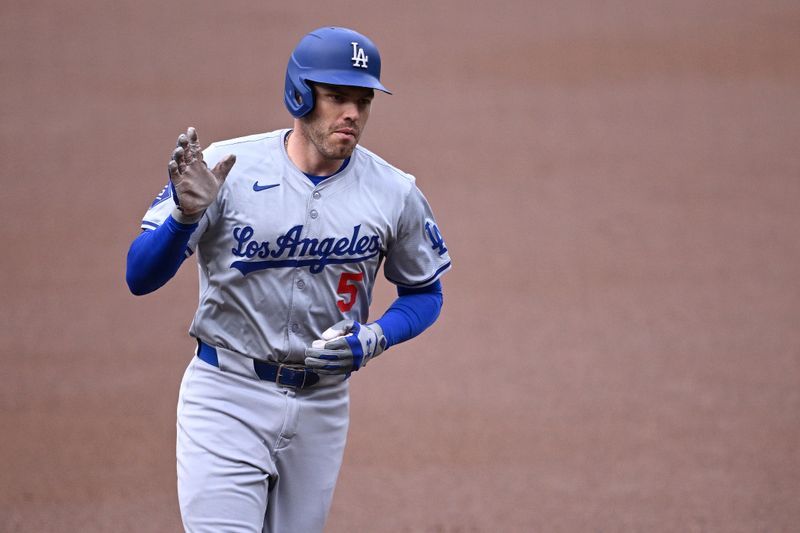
[347,288]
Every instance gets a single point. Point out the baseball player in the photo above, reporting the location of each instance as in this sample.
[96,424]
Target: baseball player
[289,229]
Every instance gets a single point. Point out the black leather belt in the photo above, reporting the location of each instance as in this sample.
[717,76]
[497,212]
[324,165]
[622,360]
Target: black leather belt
[289,376]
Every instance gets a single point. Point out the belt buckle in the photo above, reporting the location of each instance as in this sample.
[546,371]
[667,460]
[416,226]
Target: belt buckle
[292,386]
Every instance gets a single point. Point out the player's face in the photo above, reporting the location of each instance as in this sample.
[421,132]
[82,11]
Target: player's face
[338,119]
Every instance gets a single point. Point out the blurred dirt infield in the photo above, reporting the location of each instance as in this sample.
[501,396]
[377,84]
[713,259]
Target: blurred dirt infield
[618,184]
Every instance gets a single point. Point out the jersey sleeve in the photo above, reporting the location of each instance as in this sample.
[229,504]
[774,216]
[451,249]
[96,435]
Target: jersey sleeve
[418,255]
[160,209]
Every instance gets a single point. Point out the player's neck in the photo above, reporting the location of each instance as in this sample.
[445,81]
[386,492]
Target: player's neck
[307,158]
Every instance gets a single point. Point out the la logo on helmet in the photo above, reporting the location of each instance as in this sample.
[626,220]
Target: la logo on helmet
[359,57]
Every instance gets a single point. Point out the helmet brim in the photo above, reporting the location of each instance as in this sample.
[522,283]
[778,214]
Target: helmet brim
[347,79]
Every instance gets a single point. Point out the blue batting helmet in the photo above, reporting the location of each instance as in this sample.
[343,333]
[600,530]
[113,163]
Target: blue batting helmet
[337,56]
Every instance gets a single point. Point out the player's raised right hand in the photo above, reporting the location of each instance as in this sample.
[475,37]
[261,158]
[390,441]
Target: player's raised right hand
[196,186]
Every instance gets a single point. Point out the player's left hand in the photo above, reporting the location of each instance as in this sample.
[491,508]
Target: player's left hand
[345,347]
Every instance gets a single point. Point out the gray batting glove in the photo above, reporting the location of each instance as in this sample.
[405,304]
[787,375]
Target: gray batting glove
[345,347]
[195,185]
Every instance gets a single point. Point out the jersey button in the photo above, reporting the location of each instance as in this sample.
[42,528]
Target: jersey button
[316,195]
[301,284]
[295,328]
[314,213]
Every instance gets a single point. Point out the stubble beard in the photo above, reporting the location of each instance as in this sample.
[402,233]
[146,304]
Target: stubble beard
[320,137]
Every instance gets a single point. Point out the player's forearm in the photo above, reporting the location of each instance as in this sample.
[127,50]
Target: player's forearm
[410,315]
[155,256]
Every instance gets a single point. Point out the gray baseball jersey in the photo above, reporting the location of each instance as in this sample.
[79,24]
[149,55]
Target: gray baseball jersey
[281,260]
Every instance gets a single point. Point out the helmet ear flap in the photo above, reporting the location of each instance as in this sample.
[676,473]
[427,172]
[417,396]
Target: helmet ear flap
[298,96]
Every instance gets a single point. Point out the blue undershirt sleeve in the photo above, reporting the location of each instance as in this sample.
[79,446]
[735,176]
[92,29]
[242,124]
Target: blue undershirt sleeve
[155,256]
[412,312]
